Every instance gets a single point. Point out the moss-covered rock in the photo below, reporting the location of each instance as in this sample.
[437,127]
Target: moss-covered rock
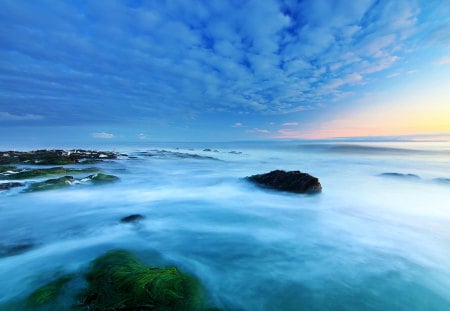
[48,293]
[9,185]
[53,157]
[33,173]
[50,184]
[4,169]
[117,279]
[101,178]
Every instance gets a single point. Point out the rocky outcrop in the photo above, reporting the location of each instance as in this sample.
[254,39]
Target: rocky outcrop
[33,173]
[54,157]
[293,181]
[9,185]
[67,181]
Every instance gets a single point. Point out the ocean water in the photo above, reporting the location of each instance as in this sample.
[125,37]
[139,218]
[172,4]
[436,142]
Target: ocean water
[367,242]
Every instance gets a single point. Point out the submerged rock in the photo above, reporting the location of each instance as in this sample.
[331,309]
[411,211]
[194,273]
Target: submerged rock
[164,154]
[118,281]
[67,181]
[132,218]
[47,293]
[4,169]
[50,184]
[399,175]
[101,178]
[9,185]
[15,249]
[293,181]
[33,173]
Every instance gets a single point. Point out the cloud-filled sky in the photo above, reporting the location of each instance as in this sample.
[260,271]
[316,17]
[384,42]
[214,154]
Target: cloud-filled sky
[216,69]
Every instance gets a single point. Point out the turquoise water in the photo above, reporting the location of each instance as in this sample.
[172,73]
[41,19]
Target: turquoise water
[365,243]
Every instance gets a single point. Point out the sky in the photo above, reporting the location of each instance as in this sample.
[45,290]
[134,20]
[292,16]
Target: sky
[185,70]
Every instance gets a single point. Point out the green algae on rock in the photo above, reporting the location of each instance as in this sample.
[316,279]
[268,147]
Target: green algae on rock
[59,170]
[4,169]
[101,178]
[117,280]
[48,293]
[54,157]
[50,184]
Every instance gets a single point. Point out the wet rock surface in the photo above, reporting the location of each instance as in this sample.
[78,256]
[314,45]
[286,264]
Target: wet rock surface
[9,185]
[165,154]
[131,218]
[292,181]
[33,173]
[54,157]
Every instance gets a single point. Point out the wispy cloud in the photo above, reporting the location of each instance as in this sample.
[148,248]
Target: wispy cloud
[258,130]
[442,61]
[237,124]
[290,124]
[103,135]
[6,116]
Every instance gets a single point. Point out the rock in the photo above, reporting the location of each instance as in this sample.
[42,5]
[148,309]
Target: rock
[53,157]
[118,281]
[293,181]
[47,293]
[164,154]
[399,175]
[4,169]
[101,178]
[9,185]
[33,173]
[50,184]
[132,218]
[15,249]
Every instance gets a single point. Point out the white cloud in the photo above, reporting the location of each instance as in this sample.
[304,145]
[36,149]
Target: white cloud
[258,130]
[442,61]
[142,136]
[290,124]
[6,116]
[238,124]
[103,135]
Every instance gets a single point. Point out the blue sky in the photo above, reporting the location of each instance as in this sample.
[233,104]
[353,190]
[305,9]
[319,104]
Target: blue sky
[225,70]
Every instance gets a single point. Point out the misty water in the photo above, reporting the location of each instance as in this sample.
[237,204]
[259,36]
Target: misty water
[367,242]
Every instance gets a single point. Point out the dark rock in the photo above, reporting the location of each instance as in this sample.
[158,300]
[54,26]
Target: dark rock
[235,152]
[15,249]
[9,185]
[399,175]
[293,181]
[132,218]
[53,157]
[165,154]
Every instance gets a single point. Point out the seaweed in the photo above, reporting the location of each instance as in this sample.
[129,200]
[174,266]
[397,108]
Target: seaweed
[59,170]
[48,293]
[118,280]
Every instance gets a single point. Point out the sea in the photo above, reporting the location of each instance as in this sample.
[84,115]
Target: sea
[368,241]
